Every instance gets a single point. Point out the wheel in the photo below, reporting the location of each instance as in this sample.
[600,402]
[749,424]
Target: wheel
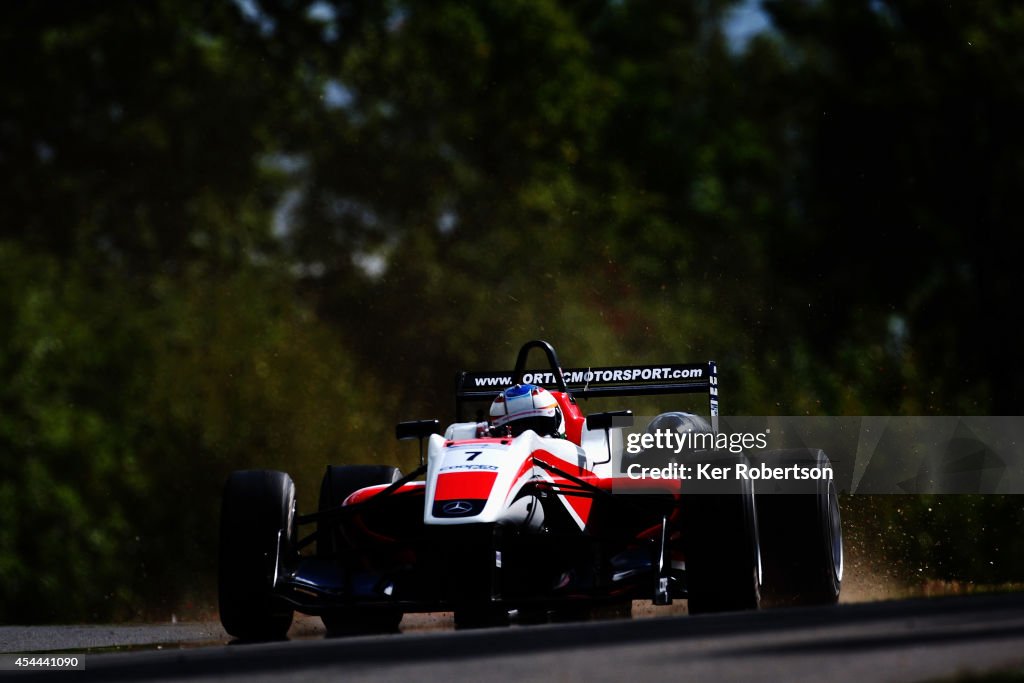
[257,539]
[801,534]
[338,483]
[720,541]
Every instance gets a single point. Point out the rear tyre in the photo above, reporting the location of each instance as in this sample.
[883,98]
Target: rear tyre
[257,541]
[339,482]
[720,542]
[801,534]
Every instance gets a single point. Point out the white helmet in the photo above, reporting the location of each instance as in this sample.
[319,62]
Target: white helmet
[526,406]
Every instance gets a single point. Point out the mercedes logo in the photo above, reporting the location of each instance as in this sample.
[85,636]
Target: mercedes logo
[457,507]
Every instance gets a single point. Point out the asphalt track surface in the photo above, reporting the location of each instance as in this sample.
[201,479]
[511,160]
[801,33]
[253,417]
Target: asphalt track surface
[907,640]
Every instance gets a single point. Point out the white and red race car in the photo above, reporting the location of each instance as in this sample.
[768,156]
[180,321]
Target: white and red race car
[528,527]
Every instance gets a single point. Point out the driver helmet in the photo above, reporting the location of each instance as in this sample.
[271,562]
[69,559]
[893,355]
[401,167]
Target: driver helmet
[526,406]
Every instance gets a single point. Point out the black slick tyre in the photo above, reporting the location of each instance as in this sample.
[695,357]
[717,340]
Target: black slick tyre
[257,536]
[338,483]
[720,540]
[801,533]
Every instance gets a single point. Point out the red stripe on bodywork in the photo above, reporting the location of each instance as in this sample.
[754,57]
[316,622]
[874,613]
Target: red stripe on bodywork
[370,491]
[464,485]
[523,469]
[581,504]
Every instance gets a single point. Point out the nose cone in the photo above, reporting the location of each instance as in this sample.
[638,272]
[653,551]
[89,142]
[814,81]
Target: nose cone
[462,494]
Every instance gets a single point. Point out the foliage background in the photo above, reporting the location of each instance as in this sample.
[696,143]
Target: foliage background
[257,233]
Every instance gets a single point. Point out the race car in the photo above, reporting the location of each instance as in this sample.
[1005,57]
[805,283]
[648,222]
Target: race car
[527,514]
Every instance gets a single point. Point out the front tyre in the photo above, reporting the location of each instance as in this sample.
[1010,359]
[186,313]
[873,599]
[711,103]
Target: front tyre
[721,542]
[338,483]
[257,538]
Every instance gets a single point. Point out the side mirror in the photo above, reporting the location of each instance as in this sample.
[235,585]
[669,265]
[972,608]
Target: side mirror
[606,421]
[614,418]
[417,429]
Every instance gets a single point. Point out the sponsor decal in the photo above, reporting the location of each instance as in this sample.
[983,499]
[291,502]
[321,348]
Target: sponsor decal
[579,377]
[460,507]
[457,507]
[469,467]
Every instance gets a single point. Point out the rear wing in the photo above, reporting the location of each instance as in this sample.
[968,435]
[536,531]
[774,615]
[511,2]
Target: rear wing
[622,380]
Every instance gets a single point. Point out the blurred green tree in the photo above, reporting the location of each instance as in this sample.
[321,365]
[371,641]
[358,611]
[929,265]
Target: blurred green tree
[257,233]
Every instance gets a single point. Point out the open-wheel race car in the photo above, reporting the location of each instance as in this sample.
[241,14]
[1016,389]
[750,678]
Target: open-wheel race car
[528,515]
